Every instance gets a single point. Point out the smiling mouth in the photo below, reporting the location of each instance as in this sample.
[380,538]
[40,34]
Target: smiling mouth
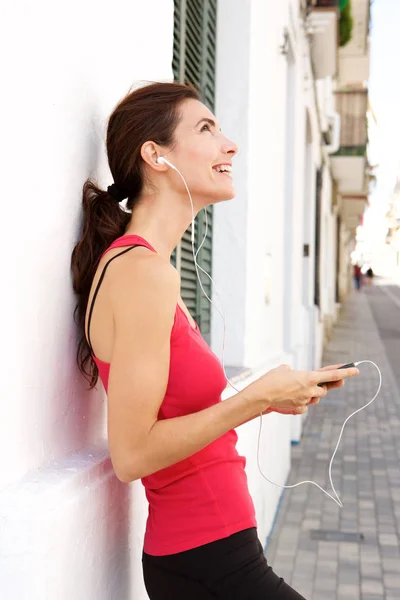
[224,170]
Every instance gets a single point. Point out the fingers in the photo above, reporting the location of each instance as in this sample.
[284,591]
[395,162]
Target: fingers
[323,390]
[335,384]
[314,401]
[335,375]
[331,367]
[319,391]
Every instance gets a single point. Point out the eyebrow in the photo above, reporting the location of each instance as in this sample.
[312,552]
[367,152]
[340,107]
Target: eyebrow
[209,121]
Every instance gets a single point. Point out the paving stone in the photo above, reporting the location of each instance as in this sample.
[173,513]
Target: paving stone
[391,565]
[372,587]
[365,473]
[346,591]
[392,581]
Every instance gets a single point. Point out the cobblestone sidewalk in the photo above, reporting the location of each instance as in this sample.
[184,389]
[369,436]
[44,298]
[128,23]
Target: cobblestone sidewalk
[366,475]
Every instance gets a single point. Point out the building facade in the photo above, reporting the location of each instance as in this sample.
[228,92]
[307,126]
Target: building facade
[278,253]
[350,166]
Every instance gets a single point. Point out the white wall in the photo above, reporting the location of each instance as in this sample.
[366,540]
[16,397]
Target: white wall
[230,218]
[244,233]
[265,225]
[328,253]
[259,236]
[65,516]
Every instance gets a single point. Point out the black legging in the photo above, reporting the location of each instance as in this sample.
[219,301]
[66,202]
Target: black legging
[233,568]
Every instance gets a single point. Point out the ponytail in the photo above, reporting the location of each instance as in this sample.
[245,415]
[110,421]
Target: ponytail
[150,112]
[103,222]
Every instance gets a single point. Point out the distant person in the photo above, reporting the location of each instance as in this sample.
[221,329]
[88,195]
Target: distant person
[357,276]
[369,276]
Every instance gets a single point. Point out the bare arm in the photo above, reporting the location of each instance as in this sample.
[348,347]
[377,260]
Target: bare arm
[144,303]
[144,306]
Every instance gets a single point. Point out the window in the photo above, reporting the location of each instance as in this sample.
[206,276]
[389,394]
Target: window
[194,62]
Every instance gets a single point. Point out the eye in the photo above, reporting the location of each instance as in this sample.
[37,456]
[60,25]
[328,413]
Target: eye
[206,127]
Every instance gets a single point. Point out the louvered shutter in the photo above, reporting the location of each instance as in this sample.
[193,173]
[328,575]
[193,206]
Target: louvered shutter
[317,260]
[193,62]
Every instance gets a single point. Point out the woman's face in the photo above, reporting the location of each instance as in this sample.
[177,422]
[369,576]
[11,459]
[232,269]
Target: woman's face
[203,155]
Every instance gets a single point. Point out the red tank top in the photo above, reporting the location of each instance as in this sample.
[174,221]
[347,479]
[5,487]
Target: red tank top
[205,497]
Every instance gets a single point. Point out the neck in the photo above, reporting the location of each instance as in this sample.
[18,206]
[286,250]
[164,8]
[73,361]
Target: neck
[160,222]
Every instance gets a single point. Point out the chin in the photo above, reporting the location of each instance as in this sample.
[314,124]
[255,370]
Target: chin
[225,195]
[219,196]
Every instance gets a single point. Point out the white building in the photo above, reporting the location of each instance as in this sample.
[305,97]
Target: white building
[265,261]
[350,164]
[70,528]
[393,232]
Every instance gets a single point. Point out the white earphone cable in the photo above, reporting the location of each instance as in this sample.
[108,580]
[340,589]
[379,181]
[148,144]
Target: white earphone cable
[198,268]
[195,254]
[337,499]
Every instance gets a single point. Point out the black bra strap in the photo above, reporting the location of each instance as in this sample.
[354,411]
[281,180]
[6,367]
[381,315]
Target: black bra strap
[98,287]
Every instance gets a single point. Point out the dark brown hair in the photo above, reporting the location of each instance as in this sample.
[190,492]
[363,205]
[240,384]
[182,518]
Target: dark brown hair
[151,113]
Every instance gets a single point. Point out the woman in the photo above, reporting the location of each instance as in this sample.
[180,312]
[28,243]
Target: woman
[166,422]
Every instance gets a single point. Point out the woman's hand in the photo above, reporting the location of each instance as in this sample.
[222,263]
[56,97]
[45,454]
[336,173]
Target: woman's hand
[290,390]
[315,400]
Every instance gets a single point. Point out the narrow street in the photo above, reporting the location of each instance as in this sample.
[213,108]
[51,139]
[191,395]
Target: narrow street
[349,553]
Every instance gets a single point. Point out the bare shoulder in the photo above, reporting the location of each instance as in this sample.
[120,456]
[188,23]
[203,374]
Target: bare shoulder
[144,290]
[144,279]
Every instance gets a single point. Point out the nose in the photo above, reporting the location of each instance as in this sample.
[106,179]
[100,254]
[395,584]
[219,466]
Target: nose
[230,147]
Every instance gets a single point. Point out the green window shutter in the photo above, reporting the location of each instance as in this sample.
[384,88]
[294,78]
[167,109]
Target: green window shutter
[176,62]
[195,23]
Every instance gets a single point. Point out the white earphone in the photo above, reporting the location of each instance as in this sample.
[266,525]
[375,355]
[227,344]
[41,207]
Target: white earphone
[162,160]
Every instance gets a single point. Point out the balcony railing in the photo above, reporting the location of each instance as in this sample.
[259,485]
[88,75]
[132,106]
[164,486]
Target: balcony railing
[352,106]
[328,3]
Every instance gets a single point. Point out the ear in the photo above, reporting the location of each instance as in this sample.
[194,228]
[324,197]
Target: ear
[150,153]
